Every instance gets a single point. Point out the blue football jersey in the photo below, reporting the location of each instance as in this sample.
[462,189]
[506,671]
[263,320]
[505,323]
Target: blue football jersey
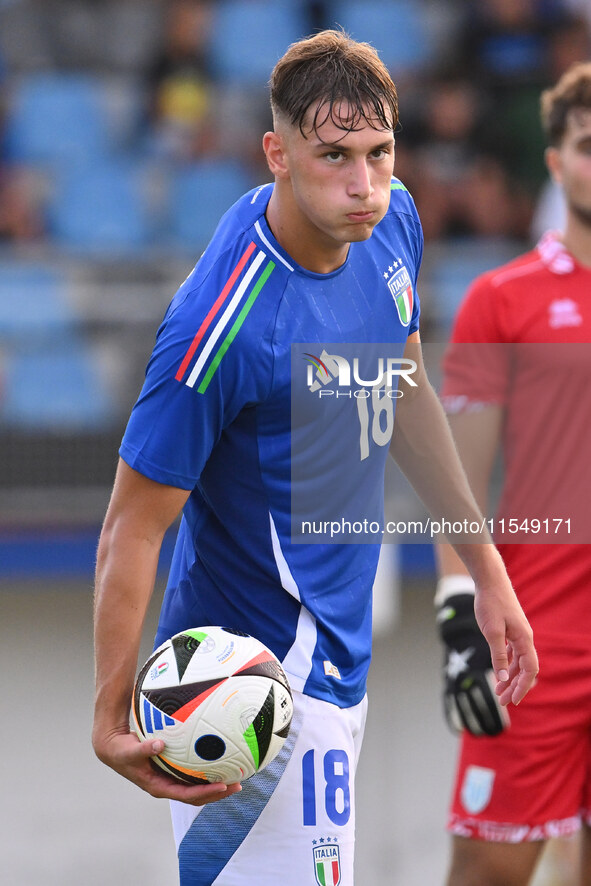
[248,404]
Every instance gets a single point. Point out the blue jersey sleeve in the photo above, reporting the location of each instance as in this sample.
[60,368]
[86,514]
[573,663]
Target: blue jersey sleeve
[405,226]
[211,359]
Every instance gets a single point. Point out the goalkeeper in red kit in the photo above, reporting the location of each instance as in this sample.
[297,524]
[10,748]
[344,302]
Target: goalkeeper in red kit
[517,380]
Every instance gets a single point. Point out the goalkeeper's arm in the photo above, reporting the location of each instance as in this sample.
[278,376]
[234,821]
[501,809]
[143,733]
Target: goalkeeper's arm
[470,701]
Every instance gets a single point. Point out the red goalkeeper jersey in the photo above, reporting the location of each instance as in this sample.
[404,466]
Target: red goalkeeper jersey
[522,339]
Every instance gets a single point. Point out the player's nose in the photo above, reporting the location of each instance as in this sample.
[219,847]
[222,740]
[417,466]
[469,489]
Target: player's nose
[360,181]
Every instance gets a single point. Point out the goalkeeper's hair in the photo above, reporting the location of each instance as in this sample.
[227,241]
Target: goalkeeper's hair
[328,70]
[571,92]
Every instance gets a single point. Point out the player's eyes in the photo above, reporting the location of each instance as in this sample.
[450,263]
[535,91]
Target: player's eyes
[333,156]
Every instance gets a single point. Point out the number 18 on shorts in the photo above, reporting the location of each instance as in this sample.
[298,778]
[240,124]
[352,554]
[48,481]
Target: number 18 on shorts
[294,822]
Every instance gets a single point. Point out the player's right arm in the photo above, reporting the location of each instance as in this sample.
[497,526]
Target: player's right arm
[139,513]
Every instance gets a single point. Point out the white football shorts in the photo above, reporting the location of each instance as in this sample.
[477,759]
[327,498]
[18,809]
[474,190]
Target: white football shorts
[294,822]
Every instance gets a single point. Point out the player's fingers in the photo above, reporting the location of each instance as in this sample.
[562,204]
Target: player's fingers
[150,747]
[495,637]
[518,686]
[523,684]
[212,797]
[505,690]
[527,668]
[166,789]
[210,793]
[161,786]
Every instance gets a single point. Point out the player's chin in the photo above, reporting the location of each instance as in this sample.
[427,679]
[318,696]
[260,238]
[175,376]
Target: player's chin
[356,233]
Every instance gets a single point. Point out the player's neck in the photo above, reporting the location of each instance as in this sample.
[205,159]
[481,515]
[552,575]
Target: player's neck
[306,245]
[577,239]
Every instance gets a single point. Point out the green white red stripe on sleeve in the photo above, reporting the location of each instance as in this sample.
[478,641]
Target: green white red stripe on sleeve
[225,318]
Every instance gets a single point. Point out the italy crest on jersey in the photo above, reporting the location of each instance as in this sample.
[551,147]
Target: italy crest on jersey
[400,286]
[327,864]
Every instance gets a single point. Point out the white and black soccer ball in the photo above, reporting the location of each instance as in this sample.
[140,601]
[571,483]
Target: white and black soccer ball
[220,701]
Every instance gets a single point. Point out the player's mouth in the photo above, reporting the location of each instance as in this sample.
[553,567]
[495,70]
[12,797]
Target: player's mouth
[361,217]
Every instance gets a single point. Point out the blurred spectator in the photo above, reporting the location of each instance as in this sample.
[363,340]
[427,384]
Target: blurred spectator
[491,203]
[20,213]
[570,42]
[512,49]
[503,43]
[476,165]
[580,7]
[460,187]
[181,88]
[20,193]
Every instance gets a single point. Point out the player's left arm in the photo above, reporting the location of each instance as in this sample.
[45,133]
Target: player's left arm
[423,447]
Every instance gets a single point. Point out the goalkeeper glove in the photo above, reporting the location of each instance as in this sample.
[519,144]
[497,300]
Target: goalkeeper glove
[469,695]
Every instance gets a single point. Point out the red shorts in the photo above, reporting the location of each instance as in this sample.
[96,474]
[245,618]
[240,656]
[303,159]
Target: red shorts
[533,781]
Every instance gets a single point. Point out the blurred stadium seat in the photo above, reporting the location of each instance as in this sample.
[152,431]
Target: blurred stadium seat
[454,265]
[248,38]
[57,387]
[396,28]
[32,303]
[56,117]
[198,197]
[49,376]
[102,207]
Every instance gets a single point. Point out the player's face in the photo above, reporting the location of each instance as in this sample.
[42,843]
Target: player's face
[339,182]
[571,164]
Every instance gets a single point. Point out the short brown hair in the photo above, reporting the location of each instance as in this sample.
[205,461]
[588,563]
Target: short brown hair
[573,90]
[327,69]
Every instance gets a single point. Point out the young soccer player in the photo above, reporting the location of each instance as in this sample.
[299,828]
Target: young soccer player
[307,259]
[524,779]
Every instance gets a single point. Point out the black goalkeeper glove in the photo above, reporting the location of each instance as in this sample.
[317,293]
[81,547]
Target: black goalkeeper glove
[469,681]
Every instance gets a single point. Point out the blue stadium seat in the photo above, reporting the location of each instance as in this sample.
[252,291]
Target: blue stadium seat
[396,28]
[249,37]
[199,196]
[55,387]
[50,378]
[101,208]
[33,303]
[57,117]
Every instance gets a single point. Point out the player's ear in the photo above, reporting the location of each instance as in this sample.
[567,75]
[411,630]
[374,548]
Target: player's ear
[274,147]
[554,164]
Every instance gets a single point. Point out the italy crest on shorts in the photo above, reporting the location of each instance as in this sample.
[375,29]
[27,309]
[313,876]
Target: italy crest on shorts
[400,286]
[327,864]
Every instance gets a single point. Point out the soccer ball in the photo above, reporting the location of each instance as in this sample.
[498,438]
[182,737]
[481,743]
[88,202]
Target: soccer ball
[220,701]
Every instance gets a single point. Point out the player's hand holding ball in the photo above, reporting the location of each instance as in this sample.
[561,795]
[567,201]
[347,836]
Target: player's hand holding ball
[469,694]
[127,755]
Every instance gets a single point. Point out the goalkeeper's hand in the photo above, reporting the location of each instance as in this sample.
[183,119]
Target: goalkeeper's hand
[469,682]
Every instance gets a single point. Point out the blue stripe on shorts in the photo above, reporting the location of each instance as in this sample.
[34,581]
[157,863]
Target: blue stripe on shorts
[220,828]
